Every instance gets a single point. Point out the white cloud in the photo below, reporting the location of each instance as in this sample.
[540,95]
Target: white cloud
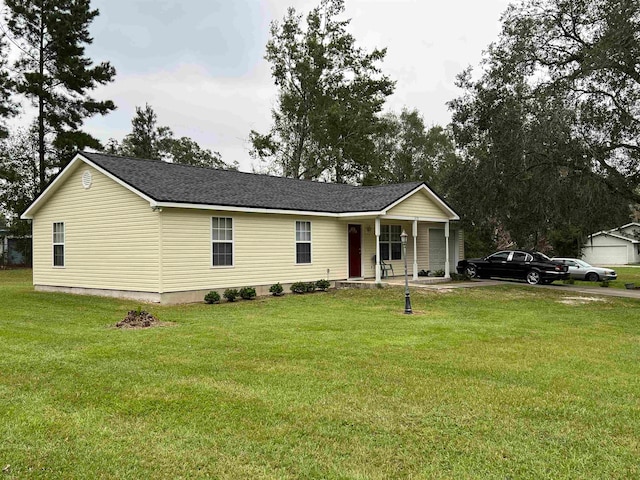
[201,67]
[216,112]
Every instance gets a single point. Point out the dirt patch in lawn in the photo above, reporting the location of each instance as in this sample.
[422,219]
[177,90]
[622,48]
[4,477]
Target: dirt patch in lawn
[579,300]
[139,319]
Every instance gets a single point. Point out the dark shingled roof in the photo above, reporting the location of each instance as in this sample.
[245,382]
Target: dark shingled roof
[170,182]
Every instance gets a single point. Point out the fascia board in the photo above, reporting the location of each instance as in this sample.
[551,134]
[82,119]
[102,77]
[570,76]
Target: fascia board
[420,219]
[614,235]
[227,208]
[621,237]
[359,214]
[632,224]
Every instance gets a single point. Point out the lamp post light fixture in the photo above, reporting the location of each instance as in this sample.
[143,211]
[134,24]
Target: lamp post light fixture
[407,296]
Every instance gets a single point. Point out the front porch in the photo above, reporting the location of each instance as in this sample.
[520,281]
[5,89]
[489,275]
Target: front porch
[432,245]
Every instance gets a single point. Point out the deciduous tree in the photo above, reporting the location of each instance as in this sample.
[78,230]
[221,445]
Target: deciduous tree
[7,106]
[522,169]
[330,95]
[19,177]
[585,52]
[406,150]
[148,140]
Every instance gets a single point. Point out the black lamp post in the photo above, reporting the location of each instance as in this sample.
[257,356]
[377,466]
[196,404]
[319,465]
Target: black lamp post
[407,296]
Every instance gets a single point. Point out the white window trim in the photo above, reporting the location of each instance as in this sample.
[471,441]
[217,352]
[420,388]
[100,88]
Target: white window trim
[54,244]
[212,241]
[389,242]
[296,242]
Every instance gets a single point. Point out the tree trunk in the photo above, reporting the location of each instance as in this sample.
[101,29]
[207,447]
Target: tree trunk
[41,146]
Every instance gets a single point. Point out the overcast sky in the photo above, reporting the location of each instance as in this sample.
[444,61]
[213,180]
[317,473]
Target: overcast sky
[199,63]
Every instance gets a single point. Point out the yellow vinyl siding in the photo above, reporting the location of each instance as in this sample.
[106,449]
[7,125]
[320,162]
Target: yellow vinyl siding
[263,250]
[111,236]
[417,205]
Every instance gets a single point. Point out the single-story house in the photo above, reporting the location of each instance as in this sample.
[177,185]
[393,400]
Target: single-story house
[618,246]
[163,232]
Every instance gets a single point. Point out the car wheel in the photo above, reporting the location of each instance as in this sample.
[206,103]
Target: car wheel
[592,277]
[533,277]
[472,271]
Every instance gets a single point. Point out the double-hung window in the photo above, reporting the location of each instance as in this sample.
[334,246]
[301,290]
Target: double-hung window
[58,244]
[222,241]
[390,242]
[303,242]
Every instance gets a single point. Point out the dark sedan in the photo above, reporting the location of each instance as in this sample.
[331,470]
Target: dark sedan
[534,267]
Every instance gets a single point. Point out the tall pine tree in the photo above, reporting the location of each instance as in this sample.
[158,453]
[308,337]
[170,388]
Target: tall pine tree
[54,73]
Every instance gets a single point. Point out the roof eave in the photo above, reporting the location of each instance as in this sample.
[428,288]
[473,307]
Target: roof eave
[29,212]
[614,235]
[635,224]
[282,211]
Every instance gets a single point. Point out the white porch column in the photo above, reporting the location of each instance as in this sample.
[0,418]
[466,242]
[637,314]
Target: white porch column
[446,249]
[377,232]
[415,249]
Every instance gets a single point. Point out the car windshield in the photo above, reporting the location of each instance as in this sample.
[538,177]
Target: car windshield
[574,262]
[541,256]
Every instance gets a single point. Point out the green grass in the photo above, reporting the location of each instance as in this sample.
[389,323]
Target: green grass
[626,275]
[493,382]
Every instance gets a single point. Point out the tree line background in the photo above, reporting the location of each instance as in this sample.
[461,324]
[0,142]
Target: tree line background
[542,148]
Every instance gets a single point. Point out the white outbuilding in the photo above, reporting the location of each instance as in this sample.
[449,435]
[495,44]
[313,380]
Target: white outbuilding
[619,246]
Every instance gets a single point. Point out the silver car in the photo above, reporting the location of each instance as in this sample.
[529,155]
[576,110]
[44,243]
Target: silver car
[581,270]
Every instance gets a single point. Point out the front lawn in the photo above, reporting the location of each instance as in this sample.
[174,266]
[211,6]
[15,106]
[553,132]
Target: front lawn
[626,275]
[492,382]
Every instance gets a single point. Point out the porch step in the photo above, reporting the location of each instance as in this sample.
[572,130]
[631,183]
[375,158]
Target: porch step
[429,280]
[395,281]
[359,284]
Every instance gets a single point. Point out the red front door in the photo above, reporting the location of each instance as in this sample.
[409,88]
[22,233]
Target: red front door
[355,253]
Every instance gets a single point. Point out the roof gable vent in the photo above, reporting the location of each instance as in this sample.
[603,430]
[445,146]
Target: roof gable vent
[86,179]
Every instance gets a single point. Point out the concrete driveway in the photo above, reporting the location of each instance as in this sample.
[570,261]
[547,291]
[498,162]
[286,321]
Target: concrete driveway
[595,290]
[440,284]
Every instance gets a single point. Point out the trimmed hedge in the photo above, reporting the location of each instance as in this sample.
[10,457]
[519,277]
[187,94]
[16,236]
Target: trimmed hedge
[248,293]
[276,289]
[299,287]
[212,297]
[231,294]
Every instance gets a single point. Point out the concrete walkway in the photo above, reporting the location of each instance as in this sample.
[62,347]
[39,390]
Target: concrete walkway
[440,284]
